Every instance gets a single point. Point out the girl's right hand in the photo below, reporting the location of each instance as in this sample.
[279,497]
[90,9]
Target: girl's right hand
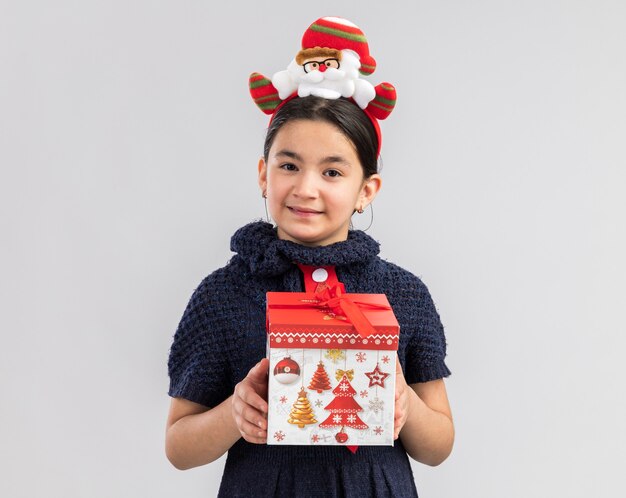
[249,405]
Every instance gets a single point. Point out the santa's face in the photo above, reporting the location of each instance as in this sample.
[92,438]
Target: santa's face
[315,70]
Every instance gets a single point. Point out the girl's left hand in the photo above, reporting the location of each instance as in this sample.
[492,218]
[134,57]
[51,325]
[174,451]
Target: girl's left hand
[403,391]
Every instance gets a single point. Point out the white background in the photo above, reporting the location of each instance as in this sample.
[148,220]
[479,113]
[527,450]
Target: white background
[128,148]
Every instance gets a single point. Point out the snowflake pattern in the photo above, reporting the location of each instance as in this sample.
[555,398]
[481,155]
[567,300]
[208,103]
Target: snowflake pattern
[283,399]
[279,435]
[361,357]
[344,387]
[323,437]
[318,403]
[385,359]
[351,419]
[376,405]
[335,355]
[378,430]
[315,438]
[337,418]
[363,394]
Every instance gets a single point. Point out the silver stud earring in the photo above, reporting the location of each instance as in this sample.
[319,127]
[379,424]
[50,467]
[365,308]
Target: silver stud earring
[267,215]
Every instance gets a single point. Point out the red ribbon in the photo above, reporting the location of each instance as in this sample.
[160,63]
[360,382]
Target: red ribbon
[336,299]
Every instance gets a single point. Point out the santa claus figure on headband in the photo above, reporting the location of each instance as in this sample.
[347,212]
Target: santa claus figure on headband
[334,56]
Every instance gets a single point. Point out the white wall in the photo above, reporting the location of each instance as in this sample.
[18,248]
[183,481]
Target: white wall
[128,149]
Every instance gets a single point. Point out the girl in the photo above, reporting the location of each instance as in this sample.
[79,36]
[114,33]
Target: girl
[319,166]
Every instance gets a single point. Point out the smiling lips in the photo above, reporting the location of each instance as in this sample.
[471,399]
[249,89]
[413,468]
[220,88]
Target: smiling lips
[302,211]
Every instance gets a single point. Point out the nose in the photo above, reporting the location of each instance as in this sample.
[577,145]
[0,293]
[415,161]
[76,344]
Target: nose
[322,67]
[305,186]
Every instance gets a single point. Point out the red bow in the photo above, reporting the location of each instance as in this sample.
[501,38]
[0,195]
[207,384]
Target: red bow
[335,298]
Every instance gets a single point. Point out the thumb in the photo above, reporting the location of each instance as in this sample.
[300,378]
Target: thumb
[398,366]
[259,372]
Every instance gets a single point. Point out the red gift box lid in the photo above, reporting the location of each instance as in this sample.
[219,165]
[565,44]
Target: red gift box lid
[296,319]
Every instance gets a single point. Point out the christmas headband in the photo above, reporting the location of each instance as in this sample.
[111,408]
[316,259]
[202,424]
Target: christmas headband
[334,55]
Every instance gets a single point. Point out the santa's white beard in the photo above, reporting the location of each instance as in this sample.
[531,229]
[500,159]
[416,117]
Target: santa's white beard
[330,84]
[327,88]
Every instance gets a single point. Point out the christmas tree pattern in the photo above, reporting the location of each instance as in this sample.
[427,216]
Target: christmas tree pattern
[302,413]
[320,381]
[343,409]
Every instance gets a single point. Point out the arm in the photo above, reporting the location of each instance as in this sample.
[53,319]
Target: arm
[197,435]
[423,419]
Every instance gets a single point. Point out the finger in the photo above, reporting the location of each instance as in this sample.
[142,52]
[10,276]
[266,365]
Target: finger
[246,393]
[258,373]
[253,439]
[250,431]
[397,427]
[398,412]
[398,366]
[254,417]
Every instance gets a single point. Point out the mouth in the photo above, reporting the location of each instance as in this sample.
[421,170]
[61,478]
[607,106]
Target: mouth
[303,211]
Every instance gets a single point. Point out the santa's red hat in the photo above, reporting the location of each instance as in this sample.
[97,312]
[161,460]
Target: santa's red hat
[340,34]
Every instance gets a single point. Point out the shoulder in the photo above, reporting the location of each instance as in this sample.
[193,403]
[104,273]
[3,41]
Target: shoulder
[408,295]
[221,281]
[208,313]
[399,282]
[212,301]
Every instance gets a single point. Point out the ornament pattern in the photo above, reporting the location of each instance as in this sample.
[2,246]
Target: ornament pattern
[320,381]
[348,373]
[335,355]
[355,412]
[287,371]
[302,413]
[343,411]
[376,405]
[377,377]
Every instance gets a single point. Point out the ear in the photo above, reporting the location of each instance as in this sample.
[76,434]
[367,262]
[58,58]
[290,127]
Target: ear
[262,175]
[370,188]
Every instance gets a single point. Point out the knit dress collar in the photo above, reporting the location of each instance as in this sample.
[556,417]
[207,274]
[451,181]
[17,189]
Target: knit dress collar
[266,255]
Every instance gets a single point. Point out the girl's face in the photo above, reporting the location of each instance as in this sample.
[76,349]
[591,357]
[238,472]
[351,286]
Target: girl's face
[314,181]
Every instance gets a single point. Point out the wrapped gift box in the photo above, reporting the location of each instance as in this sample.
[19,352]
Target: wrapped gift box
[332,376]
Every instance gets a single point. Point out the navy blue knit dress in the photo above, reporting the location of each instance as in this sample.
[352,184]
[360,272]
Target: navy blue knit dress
[221,336]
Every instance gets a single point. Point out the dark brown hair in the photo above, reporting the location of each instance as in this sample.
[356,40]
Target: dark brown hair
[342,113]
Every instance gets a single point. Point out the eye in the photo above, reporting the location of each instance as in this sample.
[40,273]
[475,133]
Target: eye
[288,167]
[333,173]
